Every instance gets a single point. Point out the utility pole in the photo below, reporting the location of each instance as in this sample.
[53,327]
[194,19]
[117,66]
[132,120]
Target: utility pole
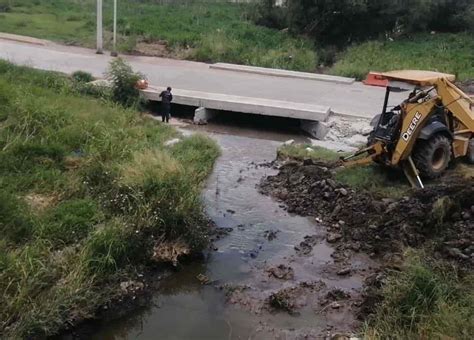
[114,50]
[99,28]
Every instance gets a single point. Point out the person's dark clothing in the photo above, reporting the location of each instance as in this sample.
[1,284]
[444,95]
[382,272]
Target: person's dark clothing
[165,112]
[166,99]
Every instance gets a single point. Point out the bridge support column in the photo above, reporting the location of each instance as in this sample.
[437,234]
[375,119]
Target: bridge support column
[202,115]
[317,130]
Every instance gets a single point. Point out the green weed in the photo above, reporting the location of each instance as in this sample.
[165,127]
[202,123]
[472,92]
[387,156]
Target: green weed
[383,181]
[425,300]
[82,77]
[443,52]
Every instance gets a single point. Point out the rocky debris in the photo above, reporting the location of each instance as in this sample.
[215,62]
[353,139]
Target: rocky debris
[342,337]
[101,83]
[363,221]
[306,246]
[290,299]
[466,86]
[218,233]
[270,235]
[337,294]
[203,279]
[344,271]
[456,253]
[333,237]
[169,252]
[40,202]
[284,299]
[351,132]
[281,272]
[172,142]
[131,286]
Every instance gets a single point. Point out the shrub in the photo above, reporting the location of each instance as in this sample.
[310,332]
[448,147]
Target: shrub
[82,77]
[268,14]
[124,80]
[5,6]
[93,90]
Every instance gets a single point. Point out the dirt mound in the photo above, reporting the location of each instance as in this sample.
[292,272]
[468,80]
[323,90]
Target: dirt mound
[442,215]
[467,86]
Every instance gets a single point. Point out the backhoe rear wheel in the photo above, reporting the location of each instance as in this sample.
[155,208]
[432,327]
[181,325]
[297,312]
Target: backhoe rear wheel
[432,157]
[470,152]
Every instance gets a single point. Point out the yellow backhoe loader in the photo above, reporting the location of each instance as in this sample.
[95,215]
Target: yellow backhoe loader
[432,127]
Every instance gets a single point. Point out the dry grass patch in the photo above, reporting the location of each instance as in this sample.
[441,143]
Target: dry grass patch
[40,202]
[149,166]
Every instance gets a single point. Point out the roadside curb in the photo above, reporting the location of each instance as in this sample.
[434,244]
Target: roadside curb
[23,39]
[350,115]
[282,73]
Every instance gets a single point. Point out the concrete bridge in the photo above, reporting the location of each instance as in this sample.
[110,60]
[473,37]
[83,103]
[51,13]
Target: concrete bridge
[208,106]
[304,96]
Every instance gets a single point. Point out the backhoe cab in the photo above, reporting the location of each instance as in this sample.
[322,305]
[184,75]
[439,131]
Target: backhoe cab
[433,126]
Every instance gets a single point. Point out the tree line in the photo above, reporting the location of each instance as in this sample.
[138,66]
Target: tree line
[341,22]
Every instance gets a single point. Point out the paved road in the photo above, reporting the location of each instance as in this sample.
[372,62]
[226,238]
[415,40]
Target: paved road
[356,99]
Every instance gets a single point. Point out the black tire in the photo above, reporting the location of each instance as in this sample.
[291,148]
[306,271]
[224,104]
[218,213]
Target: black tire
[470,152]
[432,157]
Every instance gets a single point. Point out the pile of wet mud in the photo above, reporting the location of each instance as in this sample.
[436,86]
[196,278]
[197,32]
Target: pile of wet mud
[440,218]
[467,86]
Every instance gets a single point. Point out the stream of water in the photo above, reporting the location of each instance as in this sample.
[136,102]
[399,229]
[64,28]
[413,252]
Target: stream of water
[183,308]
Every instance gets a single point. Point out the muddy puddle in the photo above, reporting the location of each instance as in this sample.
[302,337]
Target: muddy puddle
[273,276]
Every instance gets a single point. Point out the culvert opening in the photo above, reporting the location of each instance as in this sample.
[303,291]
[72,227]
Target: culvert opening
[238,123]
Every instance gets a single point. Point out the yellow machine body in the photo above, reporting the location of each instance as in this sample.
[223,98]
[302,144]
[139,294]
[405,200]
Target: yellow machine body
[436,93]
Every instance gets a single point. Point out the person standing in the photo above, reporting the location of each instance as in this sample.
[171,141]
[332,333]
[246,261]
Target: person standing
[166,99]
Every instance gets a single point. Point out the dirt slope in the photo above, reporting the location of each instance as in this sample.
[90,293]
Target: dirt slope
[440,217]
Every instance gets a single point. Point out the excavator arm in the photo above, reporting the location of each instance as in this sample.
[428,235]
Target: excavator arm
[461,107]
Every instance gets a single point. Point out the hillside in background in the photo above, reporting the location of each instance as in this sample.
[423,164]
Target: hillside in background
[300,36]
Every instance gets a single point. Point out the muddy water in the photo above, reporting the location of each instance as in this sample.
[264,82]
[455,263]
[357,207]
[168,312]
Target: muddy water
[234,305]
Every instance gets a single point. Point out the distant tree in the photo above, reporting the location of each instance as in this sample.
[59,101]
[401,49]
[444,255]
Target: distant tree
[339,22]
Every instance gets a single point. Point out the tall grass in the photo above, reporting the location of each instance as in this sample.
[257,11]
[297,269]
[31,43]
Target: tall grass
[200,30]
[443,52]
[87,188]
[426,300]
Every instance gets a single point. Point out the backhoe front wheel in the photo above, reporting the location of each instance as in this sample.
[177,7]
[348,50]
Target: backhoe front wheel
[432,157]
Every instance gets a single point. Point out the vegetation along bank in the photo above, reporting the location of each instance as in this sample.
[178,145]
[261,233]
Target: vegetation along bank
[91,198]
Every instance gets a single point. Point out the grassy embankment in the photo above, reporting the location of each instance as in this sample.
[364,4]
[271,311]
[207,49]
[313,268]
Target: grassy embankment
[443,52]
[87,191]
[425,298]
[205,31]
